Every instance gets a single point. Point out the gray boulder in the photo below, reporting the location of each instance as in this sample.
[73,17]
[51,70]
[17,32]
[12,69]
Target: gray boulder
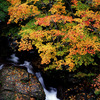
[17,84]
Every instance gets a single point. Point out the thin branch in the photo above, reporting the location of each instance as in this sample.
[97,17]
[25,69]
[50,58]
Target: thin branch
[70,7]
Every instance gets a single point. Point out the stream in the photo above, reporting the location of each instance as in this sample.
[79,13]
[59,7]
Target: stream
[51,94]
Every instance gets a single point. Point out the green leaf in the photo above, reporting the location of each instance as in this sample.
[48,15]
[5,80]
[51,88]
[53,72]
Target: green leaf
[39,28]
[46,1]
[60,53]
[97,92]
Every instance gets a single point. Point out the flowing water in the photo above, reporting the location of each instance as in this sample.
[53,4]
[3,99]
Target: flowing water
[13,58]
[51,94]
[1,66]
[28,66]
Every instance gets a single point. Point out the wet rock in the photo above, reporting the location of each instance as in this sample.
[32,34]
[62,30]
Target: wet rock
[16,82]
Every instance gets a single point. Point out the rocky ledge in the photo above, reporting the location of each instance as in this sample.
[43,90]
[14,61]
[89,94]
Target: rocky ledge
[17,84]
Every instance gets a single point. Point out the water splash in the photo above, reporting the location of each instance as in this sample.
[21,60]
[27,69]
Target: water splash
[50,95]
[13,58]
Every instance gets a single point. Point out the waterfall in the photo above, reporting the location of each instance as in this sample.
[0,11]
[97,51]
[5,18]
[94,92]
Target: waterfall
[38,75]
[51,94]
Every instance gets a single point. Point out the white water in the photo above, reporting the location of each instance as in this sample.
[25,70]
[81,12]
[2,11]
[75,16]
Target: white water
[28,66]
[50,95]
[1,66]
[13,58]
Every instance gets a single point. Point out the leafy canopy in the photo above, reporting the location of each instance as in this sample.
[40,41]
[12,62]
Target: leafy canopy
[3,9]
[66,37]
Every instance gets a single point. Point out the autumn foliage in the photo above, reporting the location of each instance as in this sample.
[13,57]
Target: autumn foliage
[66,37]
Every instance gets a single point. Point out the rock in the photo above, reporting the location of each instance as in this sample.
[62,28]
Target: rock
[16,83]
